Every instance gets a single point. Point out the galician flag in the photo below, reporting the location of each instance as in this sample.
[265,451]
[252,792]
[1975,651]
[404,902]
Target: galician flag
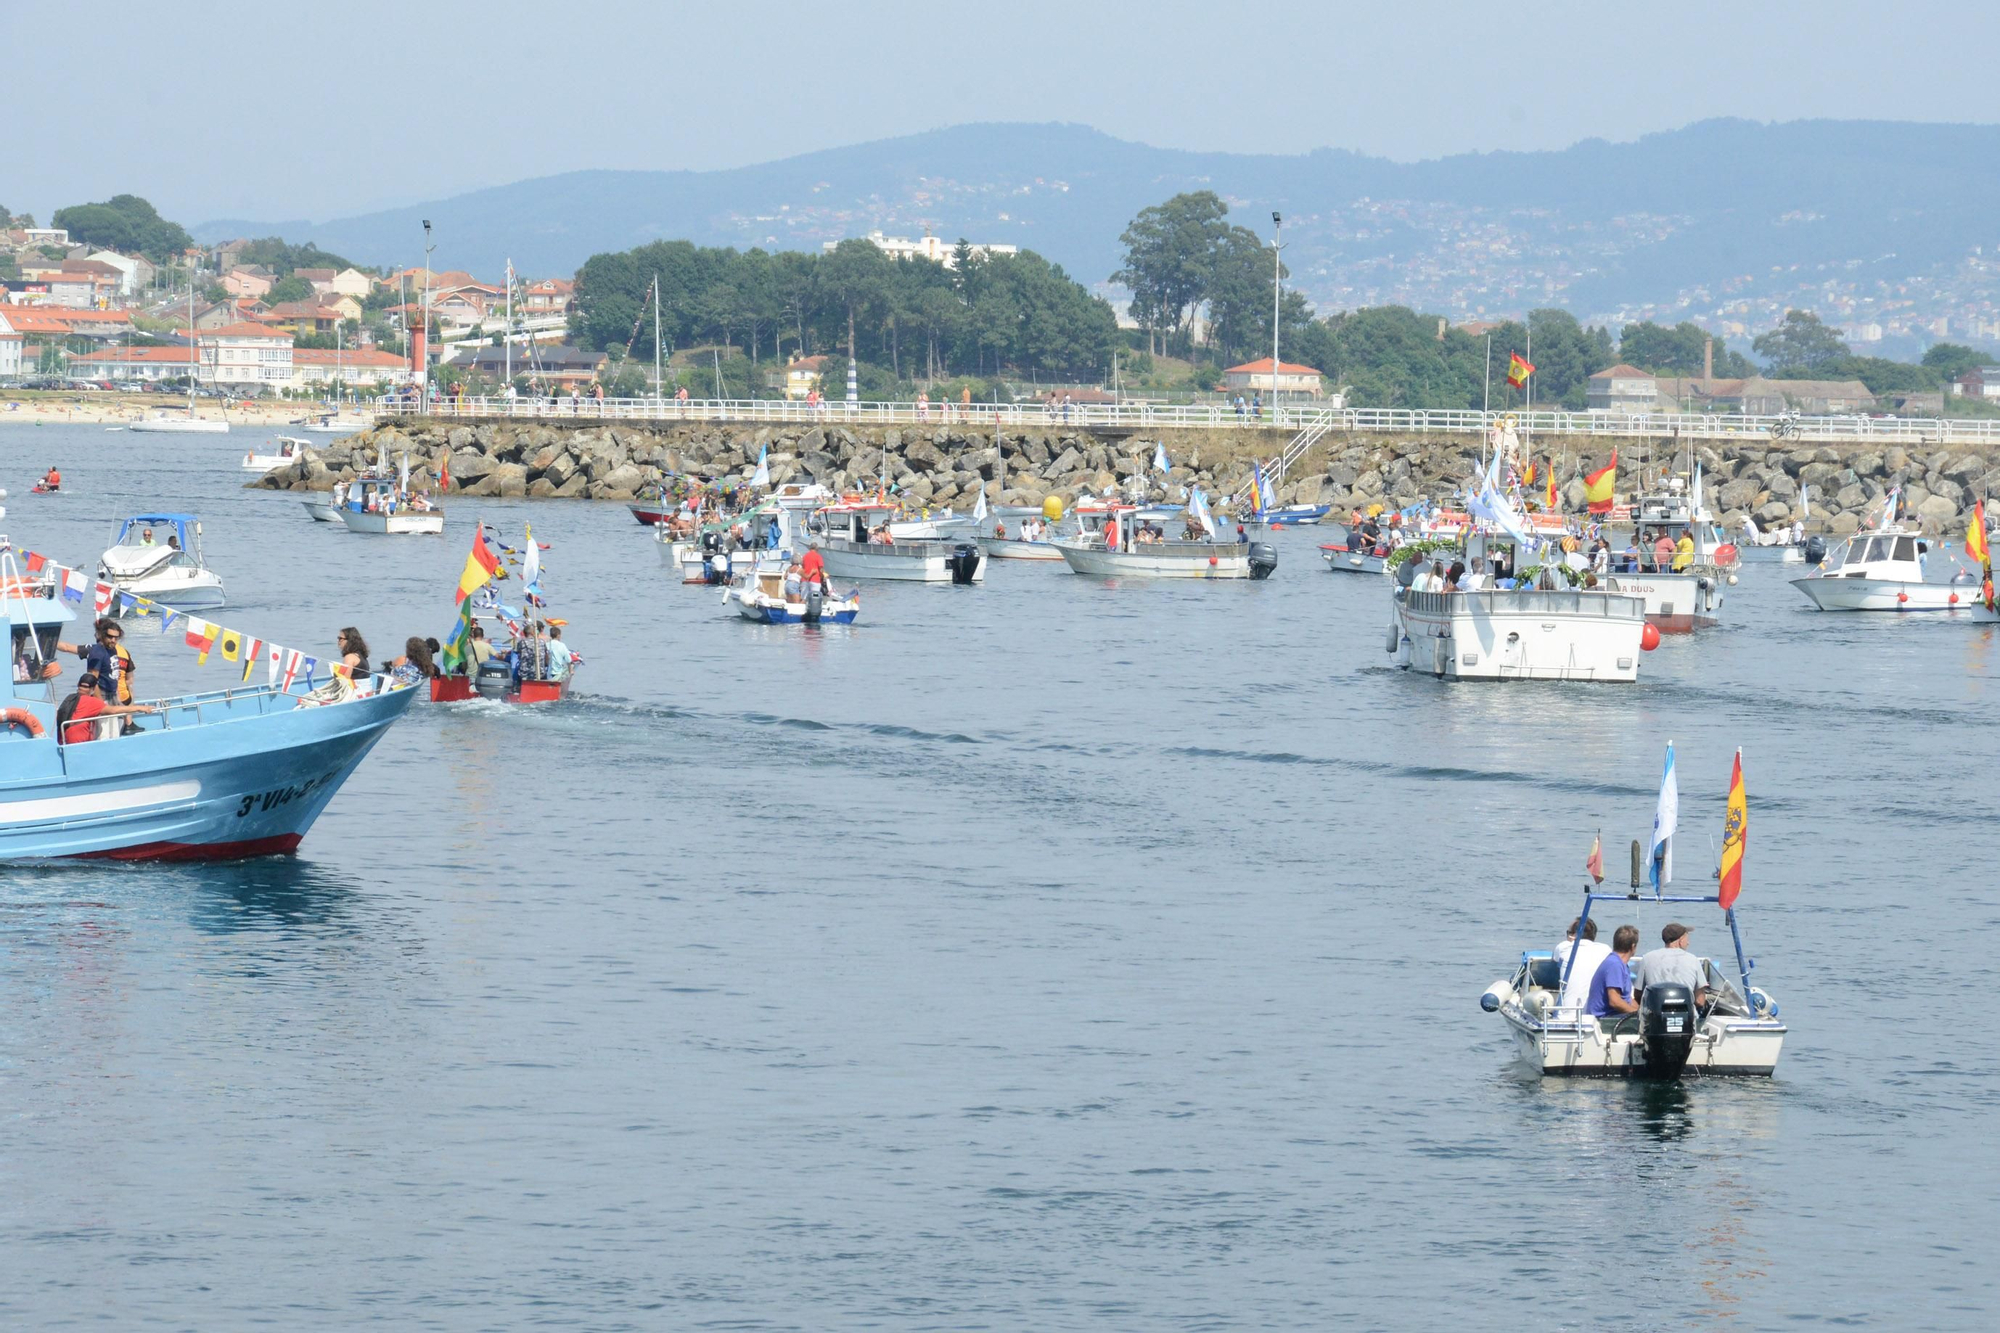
[531,566]
[762,477]
[1735,831]
[479,565]
[1665,820]
[1160,463]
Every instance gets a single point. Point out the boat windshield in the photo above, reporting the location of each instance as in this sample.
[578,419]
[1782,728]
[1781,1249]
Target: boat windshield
[1722,992]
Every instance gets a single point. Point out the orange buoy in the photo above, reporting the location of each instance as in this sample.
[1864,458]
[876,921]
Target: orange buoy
[22,718]
[1649,637]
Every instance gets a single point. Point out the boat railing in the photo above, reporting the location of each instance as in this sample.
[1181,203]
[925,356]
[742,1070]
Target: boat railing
[1529,602]
[265,697]
[909,547]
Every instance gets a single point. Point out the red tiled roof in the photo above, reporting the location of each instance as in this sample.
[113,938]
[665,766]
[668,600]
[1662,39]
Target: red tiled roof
[1621,371]
[303,310]
[1263,367]
[53,319]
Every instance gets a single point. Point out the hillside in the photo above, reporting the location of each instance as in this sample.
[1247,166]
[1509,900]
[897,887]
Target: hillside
[1721,220]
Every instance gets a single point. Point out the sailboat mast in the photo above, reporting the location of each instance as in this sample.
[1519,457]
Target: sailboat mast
[507,336]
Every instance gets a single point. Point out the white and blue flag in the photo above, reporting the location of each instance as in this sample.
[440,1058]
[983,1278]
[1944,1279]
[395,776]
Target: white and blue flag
[763,474]
[1197,507]
[1664,821]
[1160,463]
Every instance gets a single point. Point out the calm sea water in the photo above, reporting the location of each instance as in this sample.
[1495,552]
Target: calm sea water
[1038,956]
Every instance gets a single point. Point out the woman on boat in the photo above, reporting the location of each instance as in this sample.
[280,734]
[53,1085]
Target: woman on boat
[353,650]
[414,665]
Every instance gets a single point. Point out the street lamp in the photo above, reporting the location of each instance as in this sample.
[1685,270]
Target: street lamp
[1277,300]
[424,339]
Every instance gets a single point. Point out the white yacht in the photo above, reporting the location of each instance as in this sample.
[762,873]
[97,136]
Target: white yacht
[1678,600]
[158,557]
[1125,546]
[842,535]
[1883,570]
[284,449]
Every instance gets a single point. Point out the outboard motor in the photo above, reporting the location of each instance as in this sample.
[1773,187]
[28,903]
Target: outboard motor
[1666,1029]
[493,680]
[815,599]
[1263,559]
[964,562]
[1815,549]
[711,542]
[715,568]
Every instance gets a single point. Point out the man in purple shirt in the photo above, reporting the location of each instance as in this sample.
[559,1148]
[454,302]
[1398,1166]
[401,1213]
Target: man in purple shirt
[1611,987]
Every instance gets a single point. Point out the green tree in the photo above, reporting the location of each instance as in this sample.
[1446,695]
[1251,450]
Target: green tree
[1170,253]
[289,289]
[1879,374]
[1566,355]
[1950,360]
[1800,342]
[124,222]
[1678,350]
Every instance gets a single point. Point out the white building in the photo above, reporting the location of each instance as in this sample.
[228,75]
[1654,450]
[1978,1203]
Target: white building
[246,354]
[10,349]
[1292,381]
[930,247]
[355,367]
[1623,388]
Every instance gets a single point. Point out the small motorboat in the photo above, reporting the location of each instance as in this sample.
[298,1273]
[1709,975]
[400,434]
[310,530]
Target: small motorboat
[332,423]
[763,597]
[1300,515]
[528,665]
[382,506]
[168,570]
[496,682]
[322,509]
[1124,547]
[1734,1030]
[844,532]
[1884,570]
[166,421]
[287,448]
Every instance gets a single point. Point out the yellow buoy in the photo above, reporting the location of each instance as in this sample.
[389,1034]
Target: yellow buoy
[1052,509]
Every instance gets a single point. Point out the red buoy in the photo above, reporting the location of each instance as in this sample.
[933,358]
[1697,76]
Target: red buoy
[1649,637]
[1954,599]
[1902,597]
[1211,561]
[1277,527]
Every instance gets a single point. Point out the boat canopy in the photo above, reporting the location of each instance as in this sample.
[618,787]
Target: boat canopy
[1882,555]
[132,532]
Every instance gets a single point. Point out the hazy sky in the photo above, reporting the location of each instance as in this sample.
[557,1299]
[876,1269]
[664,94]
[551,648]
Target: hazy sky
[281,111]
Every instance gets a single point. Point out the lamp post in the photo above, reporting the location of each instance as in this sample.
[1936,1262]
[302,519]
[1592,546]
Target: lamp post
[424,338]
[1277,301]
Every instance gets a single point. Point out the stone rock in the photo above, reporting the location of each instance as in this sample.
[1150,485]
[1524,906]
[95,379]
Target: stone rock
[1895,458]
[1868,465]
[923,455]
[573,487]
[1966,468]
[1950,490]
[1776,511]
[1738,494]
[1842,525]
[559,470]
[1069,462]
[1851,496]
[509,479]
[460,438]
[625,477]
[541,488]
[1817,474]
[468,465]
[1369,482]
[1914,496]
[1936,511]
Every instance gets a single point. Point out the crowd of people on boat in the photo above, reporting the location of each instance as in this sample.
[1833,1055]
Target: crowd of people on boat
[1610,983]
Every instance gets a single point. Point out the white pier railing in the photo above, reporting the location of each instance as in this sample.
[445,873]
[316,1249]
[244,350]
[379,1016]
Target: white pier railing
[1764,431]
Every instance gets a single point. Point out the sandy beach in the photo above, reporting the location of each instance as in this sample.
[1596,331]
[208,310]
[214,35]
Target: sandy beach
[112,409]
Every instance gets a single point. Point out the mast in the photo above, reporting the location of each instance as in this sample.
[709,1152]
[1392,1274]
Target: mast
[507,337]
[656,338]
[194,357]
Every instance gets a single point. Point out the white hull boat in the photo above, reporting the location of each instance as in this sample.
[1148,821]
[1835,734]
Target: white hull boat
[1553,1040]
[1168,560]
[911,562]
[322,511]
[168,571]
[1883,570]
[1013,548]
[1343,561]
[1786,554]
[335,426]
[1675,603]
[174,423]
[763,598]
[1523,634]
[403,524]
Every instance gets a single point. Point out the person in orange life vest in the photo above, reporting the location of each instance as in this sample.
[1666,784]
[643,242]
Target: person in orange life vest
[53,481]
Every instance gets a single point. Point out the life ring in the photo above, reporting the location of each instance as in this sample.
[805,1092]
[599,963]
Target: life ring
[21,717]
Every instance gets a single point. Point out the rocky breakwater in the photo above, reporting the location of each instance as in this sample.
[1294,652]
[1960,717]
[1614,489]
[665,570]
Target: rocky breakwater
[935,467]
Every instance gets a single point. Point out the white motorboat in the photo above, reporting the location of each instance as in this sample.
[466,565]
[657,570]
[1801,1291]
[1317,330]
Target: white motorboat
[1128,547]
[165,421]
[1020,548]
[845,533]
[334,424]
[1725,1026]
[943,527]
[762,595]
[288,448]
[322,509]
[1884,570]
[1519,634]
[159,557]
[381,506]
[772,533]
[1680,597]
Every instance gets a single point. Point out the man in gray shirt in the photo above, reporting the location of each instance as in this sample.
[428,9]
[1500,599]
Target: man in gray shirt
[1671,964]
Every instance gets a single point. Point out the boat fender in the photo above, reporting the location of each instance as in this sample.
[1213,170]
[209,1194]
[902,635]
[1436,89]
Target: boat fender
[1496,995]
[1395,637]
[22,718]
[1761,1004]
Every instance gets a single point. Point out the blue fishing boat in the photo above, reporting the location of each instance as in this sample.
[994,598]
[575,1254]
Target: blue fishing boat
[218,775]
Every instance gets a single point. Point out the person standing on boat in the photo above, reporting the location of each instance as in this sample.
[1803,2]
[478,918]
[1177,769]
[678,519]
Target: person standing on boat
[1611,985]
[1672,964]
[1683,553]
[812,569]
[105,661]
[76,714]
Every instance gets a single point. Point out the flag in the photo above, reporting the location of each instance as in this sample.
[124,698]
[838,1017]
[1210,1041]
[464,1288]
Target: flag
[232,645]
[1197,507]
[531,567]
[197,630]
[1975,537]
[1160,463]
[293,658]
[1598,486]
[1518,369]
[403,477]
[479,565]
[444,473]
[452,657]
[36,562]
[102,596]
[1528,476]
[1735,831]
[253,653]
[979,507]
[1665,819]
[167,619]
[762,476]
[73,585]
[207,642]
[309,665]
[1594,863]
[274,656]
[1549,501]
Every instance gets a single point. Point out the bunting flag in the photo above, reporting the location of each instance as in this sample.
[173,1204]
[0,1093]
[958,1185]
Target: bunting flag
[531,566]
[167,620]
[1528,476]
[1518,369]
[232,645]
[73,585]
[309,665]
[479,565]
[1735,831]
[1599,485]
[102,596]
[36,563]
[1665,820]
[1549,501]
[207,643]
[253,653]
[1594,863]
[197,631]
[275,656]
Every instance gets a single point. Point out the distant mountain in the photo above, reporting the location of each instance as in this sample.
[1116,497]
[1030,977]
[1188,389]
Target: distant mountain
[1725,219]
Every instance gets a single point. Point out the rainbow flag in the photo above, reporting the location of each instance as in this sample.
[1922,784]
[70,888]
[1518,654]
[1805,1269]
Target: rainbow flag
[1735,827]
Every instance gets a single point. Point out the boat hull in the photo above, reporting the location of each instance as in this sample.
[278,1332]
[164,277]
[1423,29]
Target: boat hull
[205,594]
[907,562]
[1531,635]
[771,611]
[394,525]
[1675,603]
[181,426]
[1833,593]
[1343,561]
[249,781]
[1009,548]
[321,511]
[459,689]
[1771,555]
[1582,1048]
[1161,560]
[649,515]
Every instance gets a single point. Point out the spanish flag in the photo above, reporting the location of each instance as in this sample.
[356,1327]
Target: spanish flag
[1528,475]
[1549,498]
[1975,537]
[1518,369]
[479,566]
[1735,827]
[1598,486]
